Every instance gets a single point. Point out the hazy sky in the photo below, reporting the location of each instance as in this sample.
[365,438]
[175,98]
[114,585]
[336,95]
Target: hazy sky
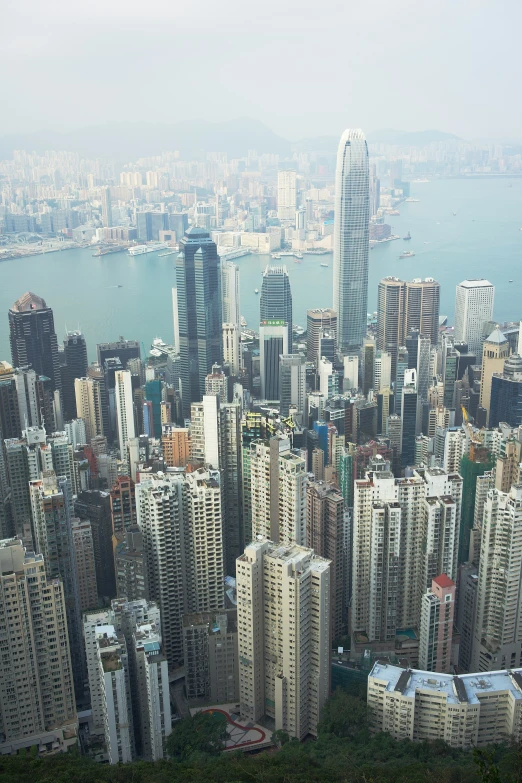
[303,67]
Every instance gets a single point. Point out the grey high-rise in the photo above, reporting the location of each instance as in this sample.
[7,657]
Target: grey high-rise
[199,313]
[276,298]
[351,241]
[33,339]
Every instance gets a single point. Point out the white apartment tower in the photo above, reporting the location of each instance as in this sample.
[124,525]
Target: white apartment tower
[278,481]
[230,293]
[473,309]
[283,616]
[286,195]
[37,704]
[232,346]
[124,410]
[114,686]
[498,627]
[152,686]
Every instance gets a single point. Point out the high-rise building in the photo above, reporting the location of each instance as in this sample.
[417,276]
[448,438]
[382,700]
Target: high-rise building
[211,656]
[124,410]
[473,308]
[232,347]
[326,534]
[75,354]
[286,195]
[318,321]
[106,207]
[123,508]
[436,625]
[409,419]
[278,483]
[122,349]
[498,626]
[85,563]
[199,311]
[506,394]
[275,302]
[273,343]
[421,308]
[351,241]
[175,442]
[95,506]
[88,395]
[37,705]
[292,383]
[129,565]
[52,513]
[230,293]
[392,567]
[390,318]
[284,656]
[495,351]
[33,339]
[26,400]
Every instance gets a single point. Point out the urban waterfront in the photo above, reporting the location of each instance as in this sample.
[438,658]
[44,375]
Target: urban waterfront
[482,239]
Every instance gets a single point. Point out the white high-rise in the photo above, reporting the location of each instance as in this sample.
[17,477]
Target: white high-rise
[351,241]
[283,618]
[498,626]
[286,195]
[473,308]
[230,293]
[124,410]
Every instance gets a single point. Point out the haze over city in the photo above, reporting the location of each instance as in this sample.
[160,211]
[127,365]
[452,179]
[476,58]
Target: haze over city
[302,68]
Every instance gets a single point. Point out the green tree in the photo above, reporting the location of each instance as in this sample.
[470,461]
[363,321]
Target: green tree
[202,733]
[343,715]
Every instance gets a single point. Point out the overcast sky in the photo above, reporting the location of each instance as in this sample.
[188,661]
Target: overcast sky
[303,67]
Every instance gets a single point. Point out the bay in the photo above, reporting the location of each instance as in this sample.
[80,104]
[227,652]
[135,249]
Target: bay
[481,240]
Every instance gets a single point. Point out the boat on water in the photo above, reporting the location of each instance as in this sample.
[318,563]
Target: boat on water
[454,214]
[139,250]
[298,330]
[324,265]
[407,237]
[276,255]
[256,290]
[421,180]
[407,254]
[412,200]
[170,253]
[510,281]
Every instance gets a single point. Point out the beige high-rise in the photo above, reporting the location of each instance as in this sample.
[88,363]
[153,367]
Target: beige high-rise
[283,615]
[89,405]
[36,687]
[494,354]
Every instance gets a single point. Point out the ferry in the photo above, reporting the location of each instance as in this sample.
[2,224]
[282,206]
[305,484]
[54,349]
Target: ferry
[227,255]
[324,265]
[256,290]
[412,200]
[407,237]
[169,253]
[407,254]
[139,250]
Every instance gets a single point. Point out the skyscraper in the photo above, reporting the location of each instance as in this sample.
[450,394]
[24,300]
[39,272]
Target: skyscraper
[273,337]
[200,313]
[390,318]
[436,626]
[421,307]
[284,655]
[230,293]
[495,351]
[106,207]
[292,382]
[276,298]
[124,410]
[33,339]
[75,350]
[473,309]
[286,195]
[89,405]
[351,240]
[318,321]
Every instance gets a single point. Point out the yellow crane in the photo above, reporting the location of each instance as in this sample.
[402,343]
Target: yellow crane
[475,438]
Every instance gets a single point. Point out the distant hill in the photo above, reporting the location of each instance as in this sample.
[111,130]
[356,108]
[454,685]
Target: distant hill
[408,138]
[131,140]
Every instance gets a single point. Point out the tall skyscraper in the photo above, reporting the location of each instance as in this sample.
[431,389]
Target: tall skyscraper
[351,240]
[495,351]
[421,307]
[124,410]
[273,343]
[34,703]
[232,347]
[473,309]
[436,626]
[33,339]
[230,293]
[200,313]
[122,349]
[286,195]
[89,405]
[506,394]
[276,299]
[75,351]
[390,318]
[106,207]
[284,657]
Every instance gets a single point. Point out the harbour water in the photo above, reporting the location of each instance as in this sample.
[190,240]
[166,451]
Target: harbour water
[482,239]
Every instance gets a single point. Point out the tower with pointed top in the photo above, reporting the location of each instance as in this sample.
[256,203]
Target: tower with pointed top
[33,339]
[351,241]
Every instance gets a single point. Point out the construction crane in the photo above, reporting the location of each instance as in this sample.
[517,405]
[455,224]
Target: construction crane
[475,438]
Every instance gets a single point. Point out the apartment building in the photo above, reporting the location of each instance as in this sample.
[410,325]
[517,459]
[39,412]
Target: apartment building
[211,656]
[283,614]
[465,711]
